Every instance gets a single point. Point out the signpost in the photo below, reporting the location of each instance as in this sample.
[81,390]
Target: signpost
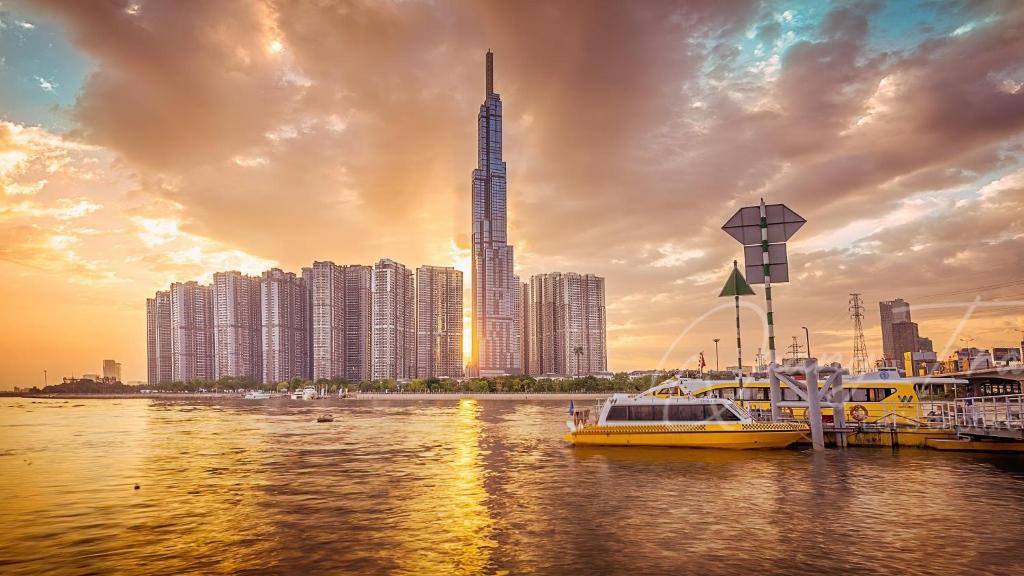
[737,286]
[763,231]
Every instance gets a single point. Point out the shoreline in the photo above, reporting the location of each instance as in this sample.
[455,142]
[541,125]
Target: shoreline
[359,396]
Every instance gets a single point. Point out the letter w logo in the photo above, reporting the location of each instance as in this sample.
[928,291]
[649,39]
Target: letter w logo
[906,399]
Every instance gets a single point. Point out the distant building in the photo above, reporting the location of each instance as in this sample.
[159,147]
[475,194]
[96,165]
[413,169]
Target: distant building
[284,341]
[438,322]
[920,363]
[191,332]
[341,312]
[567,324]
[158,339]
[394,321]
[237,326]
[890,312]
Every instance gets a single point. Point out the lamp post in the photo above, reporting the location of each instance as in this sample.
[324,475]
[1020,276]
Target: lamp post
[716,354]
[807,335]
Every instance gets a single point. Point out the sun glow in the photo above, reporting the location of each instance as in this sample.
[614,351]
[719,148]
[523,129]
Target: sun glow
[275,46]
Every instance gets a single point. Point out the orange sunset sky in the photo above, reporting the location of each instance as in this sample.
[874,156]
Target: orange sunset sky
[151,141]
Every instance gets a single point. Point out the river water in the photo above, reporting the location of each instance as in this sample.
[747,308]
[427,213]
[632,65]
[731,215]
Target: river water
[468,487]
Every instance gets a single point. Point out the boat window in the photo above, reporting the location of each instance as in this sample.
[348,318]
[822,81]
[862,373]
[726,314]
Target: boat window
[729,393]
[718,412]
[858,394]
[788,394]
[646,413]
[757,394]
[686,412]
[879,394]
[617,413]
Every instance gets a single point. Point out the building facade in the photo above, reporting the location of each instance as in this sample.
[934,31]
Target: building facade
[284,340]
[341,320]
[438,322]
[566,321]
[890,312]
[523,325]
[494,348]
[394,322]
[237,326]
[191,332]
[158,338]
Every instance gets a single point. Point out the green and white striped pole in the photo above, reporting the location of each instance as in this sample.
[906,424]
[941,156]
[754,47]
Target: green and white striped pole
[773,381]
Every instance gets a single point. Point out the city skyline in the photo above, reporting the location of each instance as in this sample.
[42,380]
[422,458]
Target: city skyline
[894,128]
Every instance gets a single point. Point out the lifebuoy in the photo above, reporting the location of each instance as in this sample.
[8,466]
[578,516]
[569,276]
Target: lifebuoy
[858,413]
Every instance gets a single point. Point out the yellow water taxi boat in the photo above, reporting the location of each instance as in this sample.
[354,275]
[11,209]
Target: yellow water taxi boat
[654,419]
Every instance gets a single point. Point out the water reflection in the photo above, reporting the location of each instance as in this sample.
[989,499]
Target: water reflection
[467,488]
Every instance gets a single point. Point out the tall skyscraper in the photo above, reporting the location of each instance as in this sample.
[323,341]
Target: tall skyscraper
[237,325]
[890,312]
[191,332]
[438,322]
[493,306]
[567,324]
[341,321]
[394,321]
[158,338]
[283,303]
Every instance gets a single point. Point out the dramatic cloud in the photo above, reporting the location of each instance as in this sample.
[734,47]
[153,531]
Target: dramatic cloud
[237,134]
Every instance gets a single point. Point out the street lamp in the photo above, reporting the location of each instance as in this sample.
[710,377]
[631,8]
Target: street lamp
[716,354]
[807,335]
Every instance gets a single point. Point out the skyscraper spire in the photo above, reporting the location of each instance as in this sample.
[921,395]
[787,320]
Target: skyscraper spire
[490,72]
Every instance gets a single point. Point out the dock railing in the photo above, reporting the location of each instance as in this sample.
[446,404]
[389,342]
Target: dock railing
[1004,412]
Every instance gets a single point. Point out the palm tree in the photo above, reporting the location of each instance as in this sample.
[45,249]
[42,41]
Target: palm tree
[579,352]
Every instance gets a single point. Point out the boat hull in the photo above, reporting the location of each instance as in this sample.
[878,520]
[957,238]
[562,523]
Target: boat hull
[732,437]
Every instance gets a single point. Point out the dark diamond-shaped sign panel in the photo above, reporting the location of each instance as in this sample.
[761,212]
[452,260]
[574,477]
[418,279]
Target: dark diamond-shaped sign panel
[745,224]
[754,263]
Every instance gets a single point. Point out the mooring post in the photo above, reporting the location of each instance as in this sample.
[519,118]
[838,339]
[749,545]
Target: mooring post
[814,404]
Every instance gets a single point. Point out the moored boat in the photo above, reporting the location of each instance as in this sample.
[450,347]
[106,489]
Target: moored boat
[653,419]
[256,395]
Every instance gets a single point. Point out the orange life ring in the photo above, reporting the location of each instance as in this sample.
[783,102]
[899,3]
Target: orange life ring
[858,413]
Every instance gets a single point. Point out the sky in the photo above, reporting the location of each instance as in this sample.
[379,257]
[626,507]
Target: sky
[150,141]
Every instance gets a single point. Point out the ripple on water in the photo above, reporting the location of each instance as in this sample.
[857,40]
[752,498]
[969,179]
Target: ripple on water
[471,487]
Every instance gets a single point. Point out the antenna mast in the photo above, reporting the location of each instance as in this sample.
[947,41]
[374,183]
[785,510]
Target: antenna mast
[860,350]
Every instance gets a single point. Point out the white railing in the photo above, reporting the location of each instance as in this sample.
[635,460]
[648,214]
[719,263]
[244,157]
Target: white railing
[999,412]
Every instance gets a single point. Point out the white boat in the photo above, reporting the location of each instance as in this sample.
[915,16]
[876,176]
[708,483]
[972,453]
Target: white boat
[256,395]
[307,393]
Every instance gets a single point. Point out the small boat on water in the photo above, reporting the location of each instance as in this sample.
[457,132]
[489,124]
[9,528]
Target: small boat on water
[325,418]
[654,418]
[307,393]
[255,395]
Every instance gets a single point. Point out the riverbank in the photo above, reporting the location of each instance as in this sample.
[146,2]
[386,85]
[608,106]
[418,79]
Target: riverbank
[352,396]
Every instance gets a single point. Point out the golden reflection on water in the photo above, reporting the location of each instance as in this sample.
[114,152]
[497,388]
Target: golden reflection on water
[440,487]
[456,490]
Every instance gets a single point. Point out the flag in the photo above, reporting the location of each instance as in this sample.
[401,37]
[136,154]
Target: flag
[572,409]
[702,364]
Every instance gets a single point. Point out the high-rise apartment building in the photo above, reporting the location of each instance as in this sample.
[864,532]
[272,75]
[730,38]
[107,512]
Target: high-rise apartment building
[438,322]
[191,332]
[283,303]
[494,347]
[890,312]
[523,325]
[341,321]
[237,326]
[566,321]
[394,321]
[158,338]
